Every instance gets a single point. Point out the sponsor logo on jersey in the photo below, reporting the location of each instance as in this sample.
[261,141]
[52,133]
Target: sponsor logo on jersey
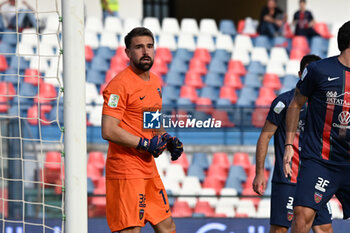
[334,99]
[113,100]
[330,79]
[344,119]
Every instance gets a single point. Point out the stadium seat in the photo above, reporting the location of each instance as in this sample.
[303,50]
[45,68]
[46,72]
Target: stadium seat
[174,79]
[94,173]
[189,196]
[279,54]
[252,80]
[197,66]
[250,27]
[99,64]
[201,160]
[153,24]
[259,116]
[94,24]
[105,52]
[263,210]
[159,67]
[3,63]
[7,89]
[172,93]
[167,41]
[256,67]
[33,114]
[262,41]
[221,54]
[228,197]
[228,211]
[235,178]
[236,67]
[228,93]
[99,203]
[97,158]
[217,66]
[181,209]
[204,104]
[52,167]
[162,163]
[275,67]
[292,67]
[224,42]
[300,43]
[130,23]
[290,81]
[213,79]
[178,66]
[272,81]
[195,170]
[223,117]
[182,161]
[170,26]
[164,53]
[175,172]
[7,50]
[336,208]
[227,26]
[189,26]
[266,96]
[183,54]
[322,29]
[208,195]
[209,92]
[244,42]
[91,39]
[203,207]
[260,54]
[242,159]
[240,26]
[46,93]
[221,159]
[188,92]
[245,208]
[172,185]
[218,171]
[242,55]
[319,46]
[120,52]
[205,41]
[95,77]
[297,54]
[113,24]
[32,76]
[214,183]
[4,105]
[202,54]
[208,26]
[193,79]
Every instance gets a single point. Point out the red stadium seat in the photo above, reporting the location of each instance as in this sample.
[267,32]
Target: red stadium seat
[4,106]
[120,52]
[3,63]
[89,54]
[204,104]
[33,114]
[259,116]
[322,29]
[94,173]
[52,167]
[189,92]
[236,67]
[287,31]
[164,54]
[217,171]
[31,76]
[214,183]
[7,89]
[97,159]
[193,79]
[232,80]
[272,81]
[183,161]
[297,54]
[159,66]
[202,54]
[99,203]
[223,117]
[300,42]
[228,93]
[181,209]
[266,96]
[197,66]
[110,74]
[240,27]
[118,63]
[47,92]
[221,159]
[203,207]
[242,159]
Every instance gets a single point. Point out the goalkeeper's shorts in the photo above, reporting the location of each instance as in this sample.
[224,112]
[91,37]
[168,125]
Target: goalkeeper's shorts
[134,202]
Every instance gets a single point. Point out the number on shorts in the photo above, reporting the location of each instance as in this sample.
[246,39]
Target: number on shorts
[162,192]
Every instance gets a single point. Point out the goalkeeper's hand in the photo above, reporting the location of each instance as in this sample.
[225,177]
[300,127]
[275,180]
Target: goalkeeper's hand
[175,147]
[155,145]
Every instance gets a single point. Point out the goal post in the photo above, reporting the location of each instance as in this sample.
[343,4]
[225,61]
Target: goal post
[74,116]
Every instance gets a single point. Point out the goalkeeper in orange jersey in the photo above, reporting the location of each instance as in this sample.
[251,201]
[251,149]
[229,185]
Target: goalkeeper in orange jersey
[135,192]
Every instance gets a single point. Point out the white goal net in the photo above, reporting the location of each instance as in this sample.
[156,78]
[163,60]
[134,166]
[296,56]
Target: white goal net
[31,118]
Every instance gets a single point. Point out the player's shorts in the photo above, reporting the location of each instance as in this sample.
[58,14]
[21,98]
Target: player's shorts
[318,182]
[134,202]
[281,212]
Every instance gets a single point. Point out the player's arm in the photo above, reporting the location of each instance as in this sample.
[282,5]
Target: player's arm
[292,120]
[111,131]
[259,183]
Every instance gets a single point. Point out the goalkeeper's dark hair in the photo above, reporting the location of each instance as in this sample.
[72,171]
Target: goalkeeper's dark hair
[344,36]
[308,59]
[138,31]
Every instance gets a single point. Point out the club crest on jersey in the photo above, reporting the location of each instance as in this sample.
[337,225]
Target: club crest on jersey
[113,101]
[318,197]
[290,215]
[141,213]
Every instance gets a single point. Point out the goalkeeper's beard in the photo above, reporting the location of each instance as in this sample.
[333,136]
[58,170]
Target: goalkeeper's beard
[144,66]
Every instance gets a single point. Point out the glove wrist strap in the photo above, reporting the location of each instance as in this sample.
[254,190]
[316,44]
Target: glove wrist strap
[143,144]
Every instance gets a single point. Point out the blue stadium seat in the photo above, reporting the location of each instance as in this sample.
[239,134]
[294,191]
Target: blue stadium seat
[95,76]
[171,199]
[235,178]
[174,79]
[9,37]
[290,81]
[178,66]
[105,53]
[213,79]
[170,92]
[24,103]
[223,104]
[222,55]
[99,64]
[255,67]
[183,54]
[252,80]
[217,66]
[90,186]
[262,41]
[26,89]
[184,102]
[247,96]
[281,41]
[52,114]
[7,48]
[227,26]
[319,46]
[196,170]
[201,160]
[210,92]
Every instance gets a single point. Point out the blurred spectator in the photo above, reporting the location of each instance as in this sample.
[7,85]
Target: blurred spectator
[304,21]
[110,8]
[25,19]
[271,20]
